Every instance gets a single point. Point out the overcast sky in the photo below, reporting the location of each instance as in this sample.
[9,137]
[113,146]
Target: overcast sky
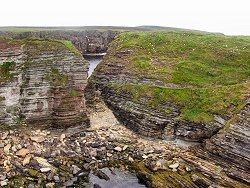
[231,17]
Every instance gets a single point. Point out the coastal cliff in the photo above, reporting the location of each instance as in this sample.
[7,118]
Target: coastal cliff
[42,83]
[174,84]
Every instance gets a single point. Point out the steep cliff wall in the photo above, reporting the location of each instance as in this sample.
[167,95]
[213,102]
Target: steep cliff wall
[231,144]
[42,83]
[174,84]
[86,41]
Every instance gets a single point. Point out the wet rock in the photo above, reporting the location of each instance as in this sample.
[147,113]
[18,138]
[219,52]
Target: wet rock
[101,175]
[96,186]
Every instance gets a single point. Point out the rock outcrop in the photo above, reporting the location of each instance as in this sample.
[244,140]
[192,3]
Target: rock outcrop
[161,90]
[231,145]
[86,41]
[42,83]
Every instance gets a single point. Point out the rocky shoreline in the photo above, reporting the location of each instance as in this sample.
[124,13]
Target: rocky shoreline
[64,158]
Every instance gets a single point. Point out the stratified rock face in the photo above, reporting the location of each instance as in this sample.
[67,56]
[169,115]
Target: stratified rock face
[170,84]
[86,41]
[42,83]
[232,144]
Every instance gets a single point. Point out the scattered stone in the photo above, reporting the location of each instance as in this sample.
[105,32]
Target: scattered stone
[119,149]
[62,137]
[22,152]
[100,174]
[45,170]
[4,183]
[44,163]
[76,169]
[174,166]
[125,147]
[50,185]
[56,178]
[26,160]
[37,139]
[6,149]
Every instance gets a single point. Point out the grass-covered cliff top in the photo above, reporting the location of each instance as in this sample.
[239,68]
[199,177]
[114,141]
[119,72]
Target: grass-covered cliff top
[31,48]
[41,44]
[211,72]
[187,58]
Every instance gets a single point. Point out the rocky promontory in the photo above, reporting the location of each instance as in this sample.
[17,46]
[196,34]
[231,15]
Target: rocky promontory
[42,83]
[190,86]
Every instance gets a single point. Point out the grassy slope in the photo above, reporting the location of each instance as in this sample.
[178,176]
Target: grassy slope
[212,71]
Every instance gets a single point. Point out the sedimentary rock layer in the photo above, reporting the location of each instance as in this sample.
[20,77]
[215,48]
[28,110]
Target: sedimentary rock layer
[42,83]
[169,84]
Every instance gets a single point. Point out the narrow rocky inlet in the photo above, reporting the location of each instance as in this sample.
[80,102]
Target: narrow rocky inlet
[114,108]
[94,60]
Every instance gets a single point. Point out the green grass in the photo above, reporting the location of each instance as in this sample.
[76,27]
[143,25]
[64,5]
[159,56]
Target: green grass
[197,104]
[70,46]
[5,71]
[2,98]
[74,93]
[57,78]
[196,59]
[211,72]
[51,44]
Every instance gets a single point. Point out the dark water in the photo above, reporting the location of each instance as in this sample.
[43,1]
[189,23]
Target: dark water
[118,179]
[93,62]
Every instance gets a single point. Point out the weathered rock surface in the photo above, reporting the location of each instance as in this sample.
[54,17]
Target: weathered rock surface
[163,120]
[232,145]
[42,83]
[68,161]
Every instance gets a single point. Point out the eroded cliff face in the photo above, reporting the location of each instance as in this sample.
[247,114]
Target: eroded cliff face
[86,41]
[231,144]
[190,86]
[165,91]
[42,83]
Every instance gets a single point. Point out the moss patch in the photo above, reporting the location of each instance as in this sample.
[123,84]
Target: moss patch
[57,78]
[197,104]
[6,71]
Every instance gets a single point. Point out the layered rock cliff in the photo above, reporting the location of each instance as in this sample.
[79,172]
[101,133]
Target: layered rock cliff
[42,83]
[185,85]
[174,84]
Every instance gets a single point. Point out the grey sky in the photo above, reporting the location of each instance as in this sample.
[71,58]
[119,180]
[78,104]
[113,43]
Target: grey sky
[227,16]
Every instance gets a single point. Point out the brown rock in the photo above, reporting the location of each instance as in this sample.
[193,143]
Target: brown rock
[37,138]
[22,152]
[26,160]
[6,149]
